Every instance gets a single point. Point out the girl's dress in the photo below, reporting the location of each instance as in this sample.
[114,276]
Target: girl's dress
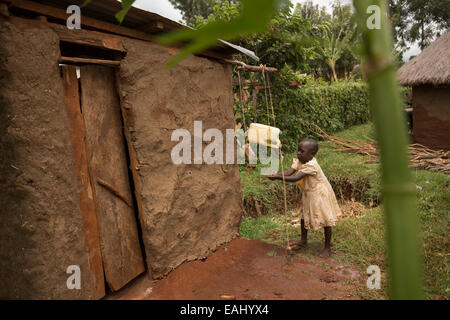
[319,205]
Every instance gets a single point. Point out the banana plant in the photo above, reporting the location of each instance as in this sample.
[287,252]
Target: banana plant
[331,45]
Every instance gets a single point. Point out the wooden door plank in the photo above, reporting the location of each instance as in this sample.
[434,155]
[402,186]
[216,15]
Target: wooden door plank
[87,202]
[134,163]
[121,251]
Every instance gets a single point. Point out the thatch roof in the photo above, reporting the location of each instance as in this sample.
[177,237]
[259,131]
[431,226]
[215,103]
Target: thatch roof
[432,66]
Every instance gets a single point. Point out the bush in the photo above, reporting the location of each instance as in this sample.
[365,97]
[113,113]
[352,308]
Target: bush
[331,107]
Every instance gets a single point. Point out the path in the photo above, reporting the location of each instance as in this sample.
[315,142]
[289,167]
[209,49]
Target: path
[249,269]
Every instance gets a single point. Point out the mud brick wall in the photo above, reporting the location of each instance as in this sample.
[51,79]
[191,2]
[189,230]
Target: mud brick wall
[186,211]
[431,116]
[41,231]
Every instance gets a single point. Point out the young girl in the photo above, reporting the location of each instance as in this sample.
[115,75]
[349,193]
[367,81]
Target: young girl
[320,207]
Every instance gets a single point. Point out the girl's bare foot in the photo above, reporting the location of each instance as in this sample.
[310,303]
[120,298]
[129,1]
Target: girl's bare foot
[326,252]
[299,243]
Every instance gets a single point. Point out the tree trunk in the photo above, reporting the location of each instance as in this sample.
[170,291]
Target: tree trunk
[333,69]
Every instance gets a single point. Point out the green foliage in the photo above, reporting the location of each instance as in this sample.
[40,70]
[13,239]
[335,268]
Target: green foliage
[331,107]
[253,18]
[369,229]
[257,229]
[419,20]
[126,5]
[225,12]
[283,43]
[308,10]
[193,9]
[335,38]
[308,39]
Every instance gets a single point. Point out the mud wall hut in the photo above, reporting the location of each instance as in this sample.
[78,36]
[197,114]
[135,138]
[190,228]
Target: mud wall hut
[429,76]
[86,176]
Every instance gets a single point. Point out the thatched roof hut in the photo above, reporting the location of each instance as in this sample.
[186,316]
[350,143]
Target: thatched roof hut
[432,66]
[429,76]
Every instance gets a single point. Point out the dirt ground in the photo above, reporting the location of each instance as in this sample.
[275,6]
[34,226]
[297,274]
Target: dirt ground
[249,269]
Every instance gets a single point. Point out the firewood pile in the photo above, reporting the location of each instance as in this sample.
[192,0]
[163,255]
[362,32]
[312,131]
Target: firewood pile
[421,157]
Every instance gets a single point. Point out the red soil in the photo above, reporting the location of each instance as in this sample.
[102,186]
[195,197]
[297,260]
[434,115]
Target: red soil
[249,269]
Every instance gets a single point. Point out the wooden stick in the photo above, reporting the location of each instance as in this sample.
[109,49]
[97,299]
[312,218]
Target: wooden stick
[244,66]
[72,60]
[419,156]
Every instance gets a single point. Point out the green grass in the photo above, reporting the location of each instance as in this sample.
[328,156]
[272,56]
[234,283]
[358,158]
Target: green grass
[350,174]
[361,241]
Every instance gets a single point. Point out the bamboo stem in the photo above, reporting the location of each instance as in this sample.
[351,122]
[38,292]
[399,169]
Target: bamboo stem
[404,245]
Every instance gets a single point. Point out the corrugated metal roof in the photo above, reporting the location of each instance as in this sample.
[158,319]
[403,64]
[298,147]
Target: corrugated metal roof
[105,10]
[247,52]
[136,18]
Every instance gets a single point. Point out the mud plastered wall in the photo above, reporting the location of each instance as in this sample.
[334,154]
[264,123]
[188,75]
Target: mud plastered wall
[186,210]
[41,231]
[431,112]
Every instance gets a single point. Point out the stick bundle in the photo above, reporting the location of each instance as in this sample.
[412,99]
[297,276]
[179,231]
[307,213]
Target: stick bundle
[421,157]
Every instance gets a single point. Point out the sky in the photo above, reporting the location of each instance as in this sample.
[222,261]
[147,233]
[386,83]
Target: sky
[165,9]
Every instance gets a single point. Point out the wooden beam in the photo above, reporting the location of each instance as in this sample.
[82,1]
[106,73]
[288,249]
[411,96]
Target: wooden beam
[243,66]
[85,21]
[92,23]
[72,60]
[89,38]
[152,27]
[42,18]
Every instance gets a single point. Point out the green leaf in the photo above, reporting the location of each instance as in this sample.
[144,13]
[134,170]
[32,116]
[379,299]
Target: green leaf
[126,6]
[254,17]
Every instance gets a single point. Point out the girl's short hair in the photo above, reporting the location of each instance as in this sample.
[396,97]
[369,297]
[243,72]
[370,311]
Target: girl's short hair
[312,145]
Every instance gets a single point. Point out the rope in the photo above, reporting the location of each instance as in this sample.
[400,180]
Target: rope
[242,100]
[265,92]
[271,104]
[281,153]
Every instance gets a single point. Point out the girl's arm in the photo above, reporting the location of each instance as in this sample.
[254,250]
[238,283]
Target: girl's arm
[287,173]
[296,178]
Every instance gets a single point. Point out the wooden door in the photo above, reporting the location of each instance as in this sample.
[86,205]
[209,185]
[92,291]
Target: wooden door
[87,201]
[120,247]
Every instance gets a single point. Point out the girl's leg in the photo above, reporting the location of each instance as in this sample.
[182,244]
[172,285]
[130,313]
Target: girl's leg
[304,240]
[327,248]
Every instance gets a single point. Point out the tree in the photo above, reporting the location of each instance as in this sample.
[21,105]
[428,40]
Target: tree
[283,43]
[191,9]
[331,46]
[419,20]
[334,38]
[308,10]
[291,38]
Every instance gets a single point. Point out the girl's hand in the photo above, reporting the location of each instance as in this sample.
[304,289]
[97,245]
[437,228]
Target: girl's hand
[273,176]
